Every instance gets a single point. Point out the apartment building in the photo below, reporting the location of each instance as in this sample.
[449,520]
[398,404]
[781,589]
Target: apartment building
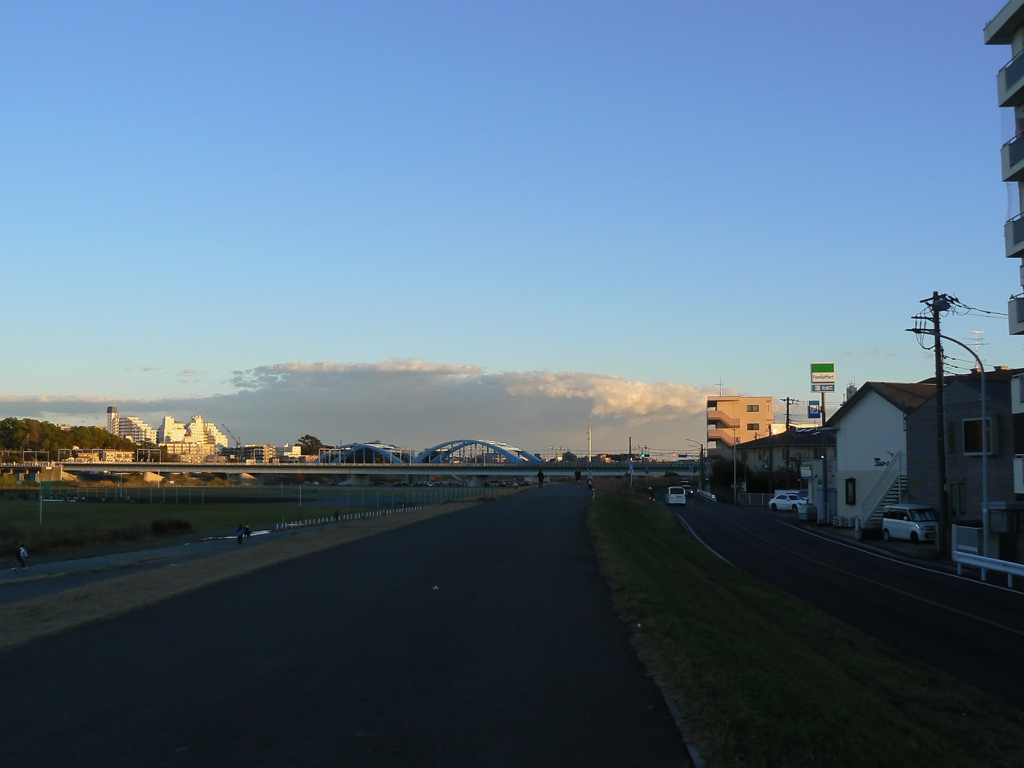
[733,419]
[102,455]
[1007,28]
[198,430]
[171,431]
[132,427]
[260,454]
[193,441]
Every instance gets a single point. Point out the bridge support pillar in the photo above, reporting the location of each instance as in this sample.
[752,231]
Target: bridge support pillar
[358,479]
[476,481]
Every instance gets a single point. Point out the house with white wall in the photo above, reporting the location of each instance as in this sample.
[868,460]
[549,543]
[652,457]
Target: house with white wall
[871,447]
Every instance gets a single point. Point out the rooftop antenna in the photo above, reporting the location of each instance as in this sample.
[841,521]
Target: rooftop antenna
[977,341]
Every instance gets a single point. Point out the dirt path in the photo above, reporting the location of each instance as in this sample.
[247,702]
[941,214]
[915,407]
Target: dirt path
[24,622]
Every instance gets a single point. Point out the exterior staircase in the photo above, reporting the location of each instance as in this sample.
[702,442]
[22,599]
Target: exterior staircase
[889,489]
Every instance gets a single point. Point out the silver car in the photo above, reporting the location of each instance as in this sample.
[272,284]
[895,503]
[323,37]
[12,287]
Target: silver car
[915,522]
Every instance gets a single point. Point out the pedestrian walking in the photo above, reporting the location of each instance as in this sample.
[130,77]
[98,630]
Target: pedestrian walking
[21,554]
[240,532]
[248,530]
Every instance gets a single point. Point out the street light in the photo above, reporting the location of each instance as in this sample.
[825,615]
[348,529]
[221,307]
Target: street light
[944,523]
[823,510]
[700,447]
[735,491]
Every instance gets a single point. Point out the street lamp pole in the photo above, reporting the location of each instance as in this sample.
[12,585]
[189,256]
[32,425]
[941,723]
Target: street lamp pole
[735,488]
[700,448]
[943,537]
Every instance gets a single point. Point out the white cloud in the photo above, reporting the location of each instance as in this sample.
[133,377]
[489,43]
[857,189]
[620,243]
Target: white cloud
[416,404]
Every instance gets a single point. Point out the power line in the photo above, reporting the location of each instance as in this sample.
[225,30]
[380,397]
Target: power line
[957,305]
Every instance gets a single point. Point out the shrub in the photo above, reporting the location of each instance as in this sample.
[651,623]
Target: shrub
[170,525]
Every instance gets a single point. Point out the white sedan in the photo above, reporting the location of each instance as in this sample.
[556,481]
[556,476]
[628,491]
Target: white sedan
[790,501]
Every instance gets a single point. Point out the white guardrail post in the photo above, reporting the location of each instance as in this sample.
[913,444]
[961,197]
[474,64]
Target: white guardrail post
[1008,567]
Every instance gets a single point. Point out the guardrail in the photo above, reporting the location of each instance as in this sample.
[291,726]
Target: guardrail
[338,518]
[986,564]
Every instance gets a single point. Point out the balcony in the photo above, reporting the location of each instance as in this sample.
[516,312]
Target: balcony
[1010,82]
[722,436]
[1017,394]
[1015,315]
[1013,234]
[723,419]
[1013,158]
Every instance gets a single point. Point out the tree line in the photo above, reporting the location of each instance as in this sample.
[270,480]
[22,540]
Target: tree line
[33,435]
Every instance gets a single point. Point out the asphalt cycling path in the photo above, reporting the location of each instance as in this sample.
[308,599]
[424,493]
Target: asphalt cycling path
[486,637]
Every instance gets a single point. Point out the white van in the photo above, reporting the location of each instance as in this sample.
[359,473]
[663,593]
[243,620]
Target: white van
[914,522]
[676,495]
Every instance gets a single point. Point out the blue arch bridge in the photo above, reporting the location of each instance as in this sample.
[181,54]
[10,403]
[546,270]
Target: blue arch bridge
[475,462]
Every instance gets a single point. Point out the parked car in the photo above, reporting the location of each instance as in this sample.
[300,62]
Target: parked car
[791,501]
[914,522]
[676,495]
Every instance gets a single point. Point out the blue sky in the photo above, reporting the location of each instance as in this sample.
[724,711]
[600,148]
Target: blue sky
[648,197]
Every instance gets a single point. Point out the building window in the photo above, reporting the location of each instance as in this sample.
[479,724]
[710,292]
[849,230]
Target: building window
[753,408]
[972,436]
[752,427]
[851,491]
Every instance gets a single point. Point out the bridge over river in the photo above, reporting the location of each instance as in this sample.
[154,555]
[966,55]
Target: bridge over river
[687,469]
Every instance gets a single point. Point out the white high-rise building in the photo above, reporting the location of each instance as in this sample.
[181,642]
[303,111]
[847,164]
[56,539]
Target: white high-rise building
[132,427]
[171,431]
[204,432]
[197,431]
[181,438]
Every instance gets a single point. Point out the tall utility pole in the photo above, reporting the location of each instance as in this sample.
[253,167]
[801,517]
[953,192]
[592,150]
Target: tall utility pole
[785,450]
[938,303]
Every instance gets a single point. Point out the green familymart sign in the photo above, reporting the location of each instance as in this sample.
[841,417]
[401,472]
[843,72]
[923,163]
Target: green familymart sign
[823,377]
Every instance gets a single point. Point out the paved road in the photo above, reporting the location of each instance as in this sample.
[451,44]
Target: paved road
[968,629]
[481,638]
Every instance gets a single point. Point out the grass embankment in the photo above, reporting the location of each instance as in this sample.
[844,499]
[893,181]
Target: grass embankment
[763,679]
[133,517]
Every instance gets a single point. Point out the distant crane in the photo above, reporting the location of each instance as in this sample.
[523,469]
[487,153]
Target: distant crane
[238,443]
